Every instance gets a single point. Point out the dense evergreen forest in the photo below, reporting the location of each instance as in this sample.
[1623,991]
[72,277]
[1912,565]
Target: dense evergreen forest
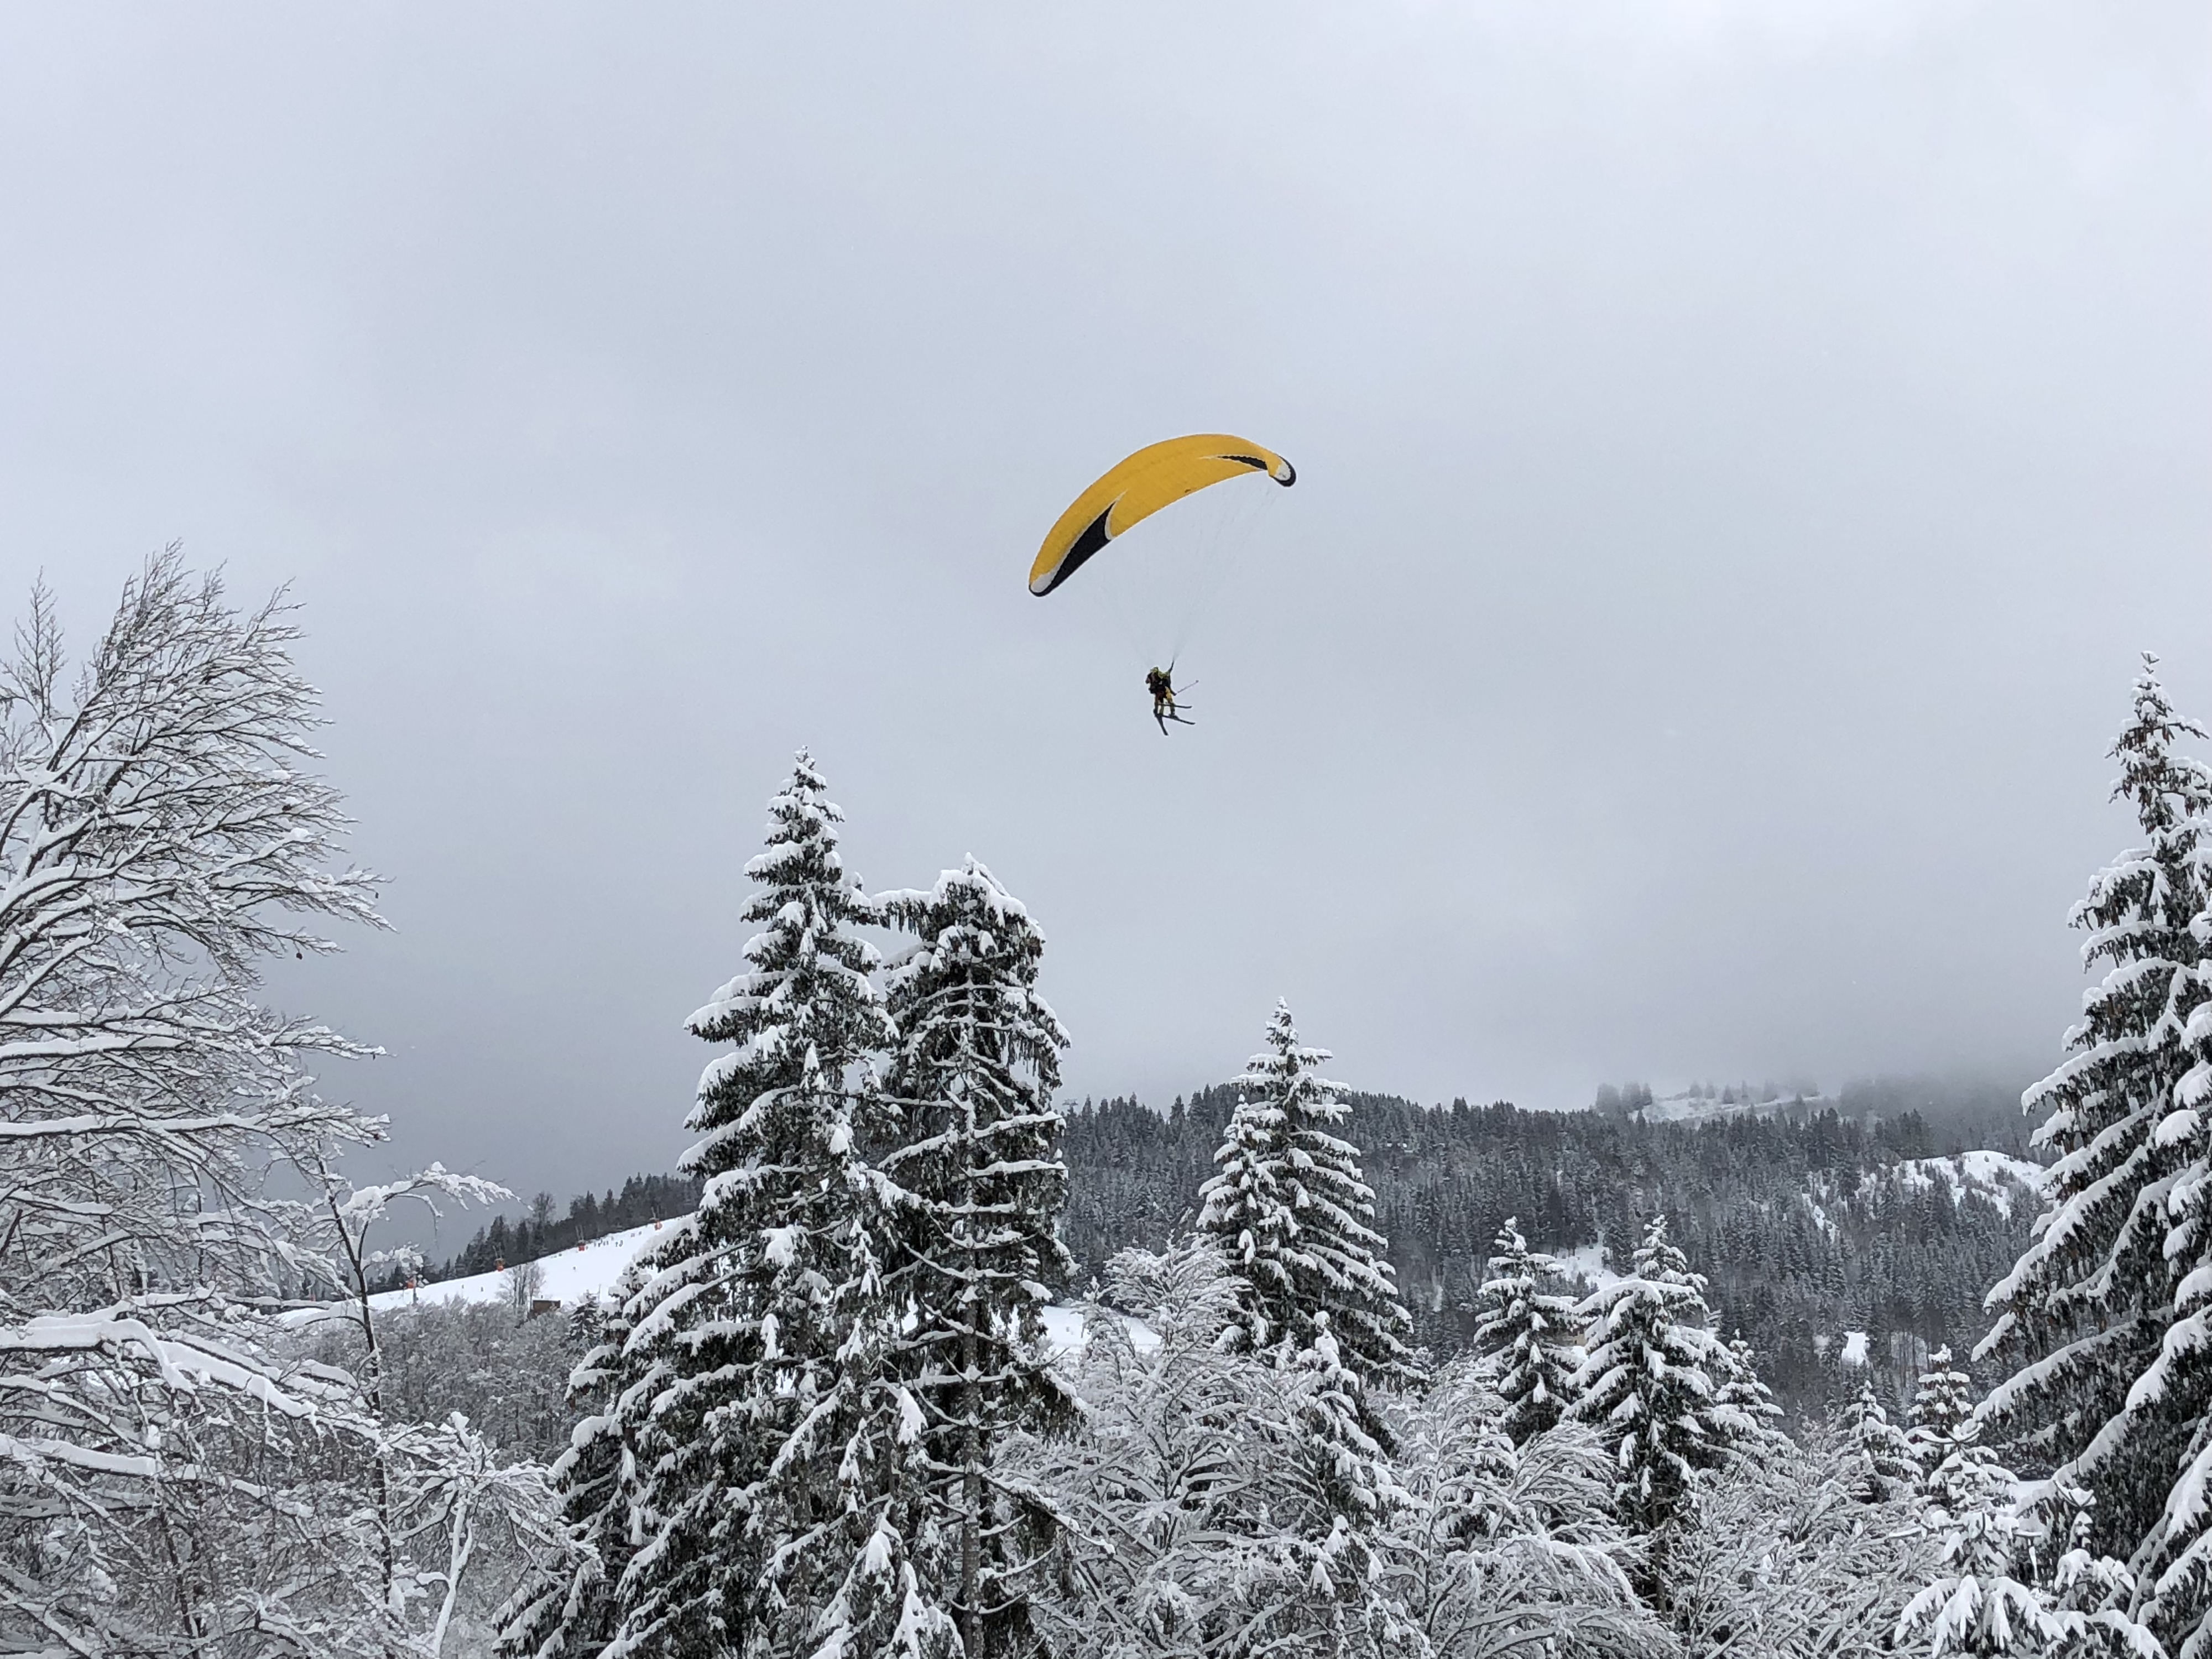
[1799,1217]
[1802,1219]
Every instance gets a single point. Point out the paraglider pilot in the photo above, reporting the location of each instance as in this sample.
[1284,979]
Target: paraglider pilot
[1161,684]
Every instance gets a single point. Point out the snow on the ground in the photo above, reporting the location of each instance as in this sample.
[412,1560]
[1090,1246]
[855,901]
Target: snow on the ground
[1855,1348]
[588,1271]
[1587,1262]
[566,1277]
[1994,1175]
[1063,1332]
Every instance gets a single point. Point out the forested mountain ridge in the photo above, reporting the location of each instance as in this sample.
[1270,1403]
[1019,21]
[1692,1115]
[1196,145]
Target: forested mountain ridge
[1809,1224]
[538,1233]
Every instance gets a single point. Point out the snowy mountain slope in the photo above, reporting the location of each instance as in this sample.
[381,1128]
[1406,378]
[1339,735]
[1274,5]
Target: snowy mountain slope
[589,1271]
[1994,1175]
[566,1277]
[1849,1220]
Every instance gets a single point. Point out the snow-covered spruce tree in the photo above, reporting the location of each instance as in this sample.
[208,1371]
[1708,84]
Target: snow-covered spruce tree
[1982,1599]
[1887,1472]
[2017,1573]
[1942,1421]
[2172,1566]
[977,1156]
[1740,1388]
[776,1508]
[1290,1208]
[2082,1315]
[2155,1456]
[1530,1338]
[1652,1385]
[2091,1597]
[1343,1454]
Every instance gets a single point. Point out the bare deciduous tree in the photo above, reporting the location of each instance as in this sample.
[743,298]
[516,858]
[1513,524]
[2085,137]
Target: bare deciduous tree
[173,1478]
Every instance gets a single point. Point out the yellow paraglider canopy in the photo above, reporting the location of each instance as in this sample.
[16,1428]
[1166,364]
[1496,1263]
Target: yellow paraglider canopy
[1159,475]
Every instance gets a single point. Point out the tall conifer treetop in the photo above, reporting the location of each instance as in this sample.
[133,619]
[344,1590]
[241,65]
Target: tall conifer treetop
[1655,1384]
[977,1158]
[2084,1313]
[1288,1202]
[760,1363]
[1532,1339]
[1943,1405]
[974,1074]
[805,1011]
[1740,1387]
[1887,1472]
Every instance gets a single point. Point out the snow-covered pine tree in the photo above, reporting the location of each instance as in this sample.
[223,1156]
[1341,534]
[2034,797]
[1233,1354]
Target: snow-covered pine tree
[1531,1338]
[1290,1208]
[1652,1382]
[775,1433]
[1984,1600]
[973,1076]
[2083,1314]
[1887,1471]
[2172,1566]
[2090,1597]
[2017,1574]
[1352,1490]
[1739,1388]
[1942,1423]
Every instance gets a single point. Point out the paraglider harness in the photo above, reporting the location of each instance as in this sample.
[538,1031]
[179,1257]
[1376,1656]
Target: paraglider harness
[1161,684]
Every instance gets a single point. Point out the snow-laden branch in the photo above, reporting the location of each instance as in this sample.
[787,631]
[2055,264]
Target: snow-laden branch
[176,1478]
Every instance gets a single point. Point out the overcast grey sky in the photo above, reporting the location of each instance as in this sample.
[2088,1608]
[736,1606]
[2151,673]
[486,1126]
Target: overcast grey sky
[1741,446]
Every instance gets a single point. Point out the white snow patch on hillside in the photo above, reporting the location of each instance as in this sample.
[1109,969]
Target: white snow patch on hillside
[566,1277]
[1855,1348]
[589,1271]
[1692,1109]
[1587,1262]
[1063,1332]
[1995,1176]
